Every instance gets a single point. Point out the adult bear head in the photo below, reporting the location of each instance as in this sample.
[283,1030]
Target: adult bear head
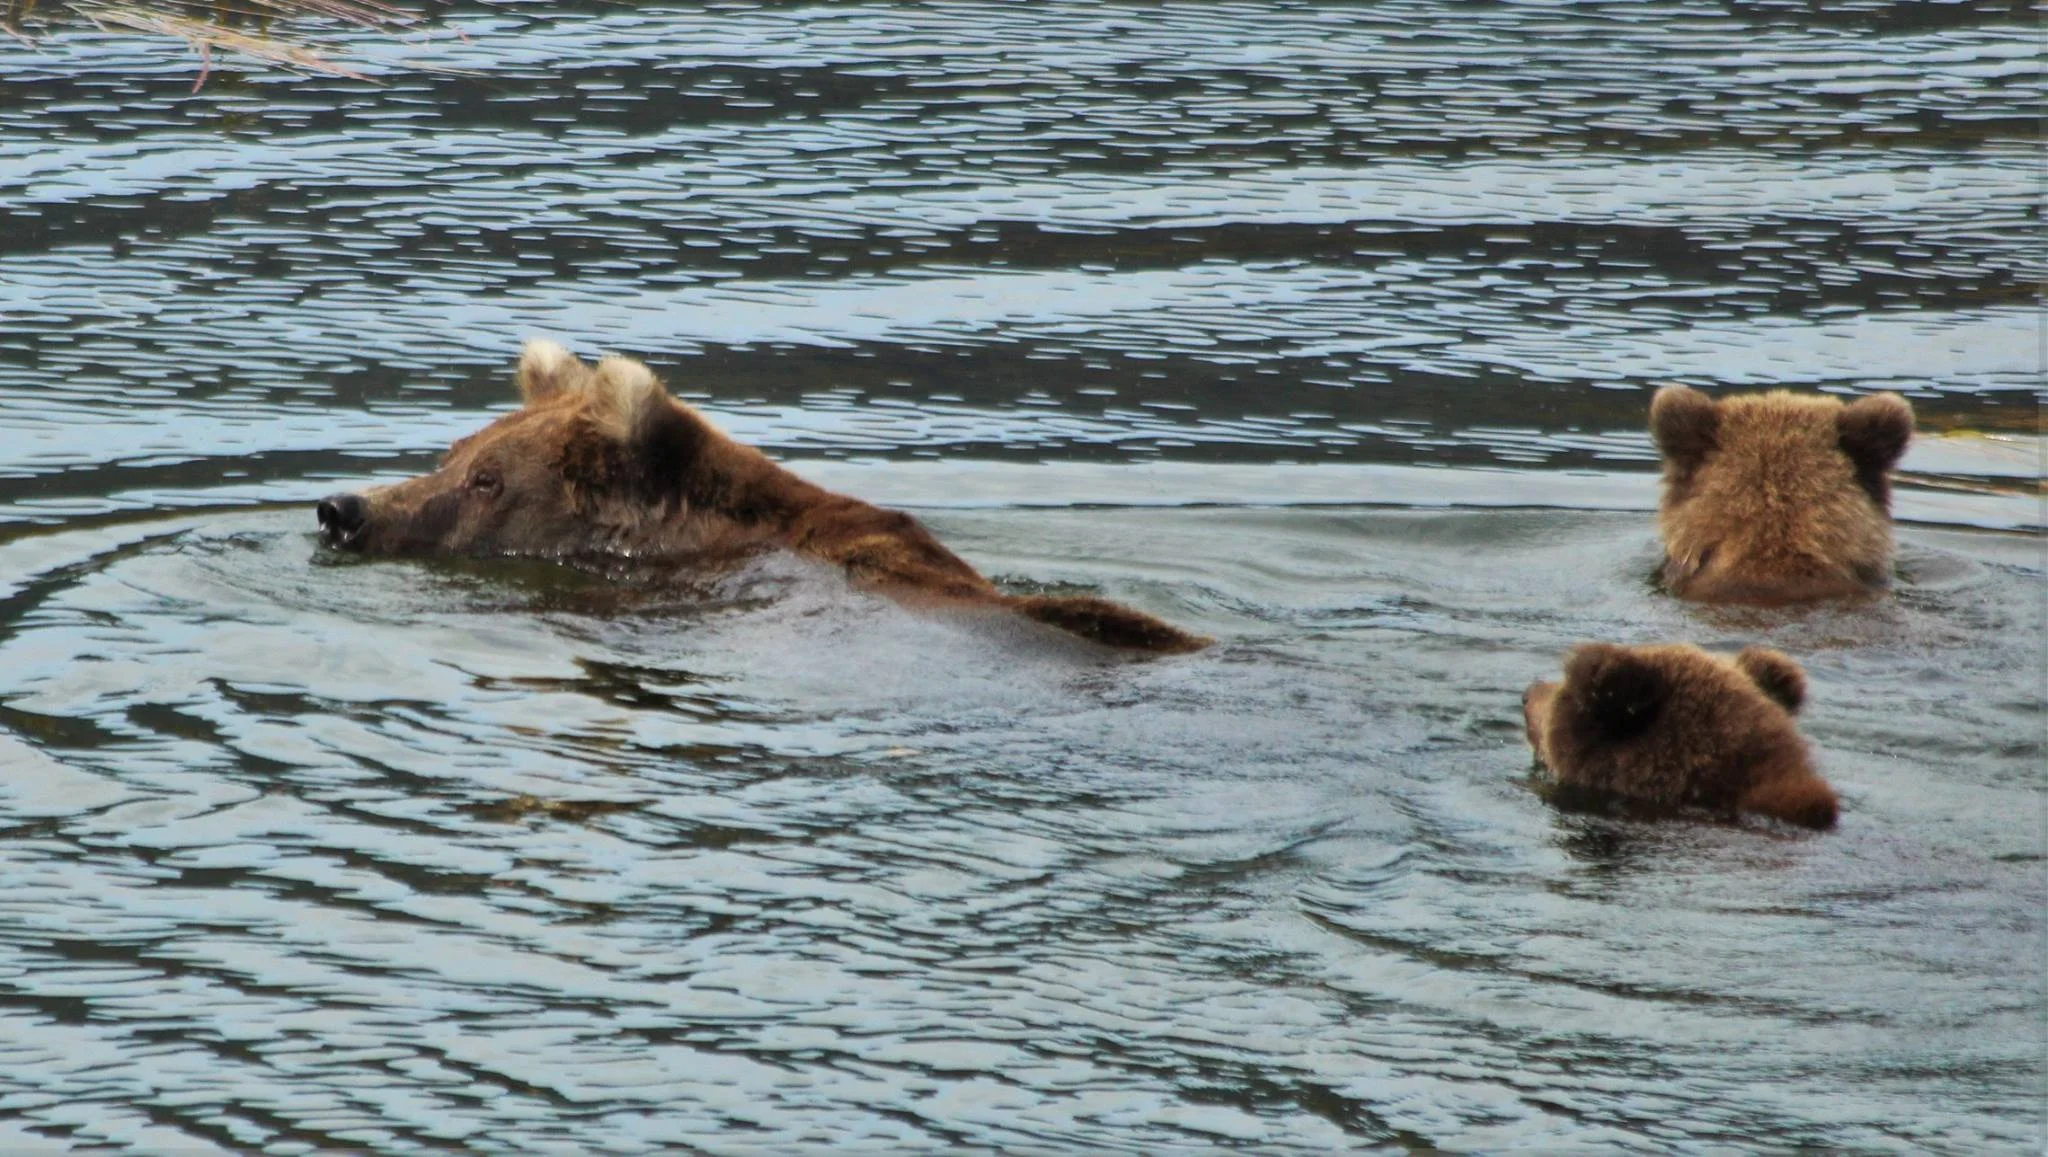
[598,460]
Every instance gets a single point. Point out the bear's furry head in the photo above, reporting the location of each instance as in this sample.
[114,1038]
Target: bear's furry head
[596,461]
[1672,726]
[620,397]
[1777,497]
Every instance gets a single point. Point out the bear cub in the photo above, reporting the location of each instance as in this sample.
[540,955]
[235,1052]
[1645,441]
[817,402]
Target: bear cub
[1777,497]
[600,463]
[1674,726]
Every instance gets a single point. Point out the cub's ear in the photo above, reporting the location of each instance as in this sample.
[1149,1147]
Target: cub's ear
[1686,425]
[1617,690]
[1874,432]
[546,369]
[1776,674]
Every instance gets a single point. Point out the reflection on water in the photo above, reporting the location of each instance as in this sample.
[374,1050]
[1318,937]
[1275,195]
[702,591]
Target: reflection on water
[1215,308]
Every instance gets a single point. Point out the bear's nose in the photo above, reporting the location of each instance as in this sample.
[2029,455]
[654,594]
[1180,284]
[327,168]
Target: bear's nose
[342,517]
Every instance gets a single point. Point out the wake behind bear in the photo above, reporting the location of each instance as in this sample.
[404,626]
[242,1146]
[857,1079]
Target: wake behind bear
[600,462]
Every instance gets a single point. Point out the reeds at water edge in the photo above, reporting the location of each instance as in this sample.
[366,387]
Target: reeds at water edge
[250,28]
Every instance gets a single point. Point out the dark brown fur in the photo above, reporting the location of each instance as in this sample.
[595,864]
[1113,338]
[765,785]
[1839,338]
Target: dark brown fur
[1674,726]
[601,462]
[1777,497]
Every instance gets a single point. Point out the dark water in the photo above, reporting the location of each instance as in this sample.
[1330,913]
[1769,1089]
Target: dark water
[1325,329]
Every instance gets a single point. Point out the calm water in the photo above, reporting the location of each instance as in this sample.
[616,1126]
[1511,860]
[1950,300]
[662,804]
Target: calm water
[1326,329]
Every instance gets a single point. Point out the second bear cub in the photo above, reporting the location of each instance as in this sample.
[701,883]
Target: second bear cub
[1675,726]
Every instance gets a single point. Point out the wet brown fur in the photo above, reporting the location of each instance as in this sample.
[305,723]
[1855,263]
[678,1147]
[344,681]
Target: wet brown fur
[601,462]
[1675,726]
[1777,497]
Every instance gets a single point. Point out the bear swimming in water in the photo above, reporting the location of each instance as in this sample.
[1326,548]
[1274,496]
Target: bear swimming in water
[1777,497]
[600,462]
[1675,726]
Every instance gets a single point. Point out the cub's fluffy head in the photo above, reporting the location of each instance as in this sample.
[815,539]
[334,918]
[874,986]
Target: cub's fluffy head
[1674,726]
[1777,497]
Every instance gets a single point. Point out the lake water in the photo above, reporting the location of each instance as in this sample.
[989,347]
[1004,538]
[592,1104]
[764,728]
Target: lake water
[1325,329]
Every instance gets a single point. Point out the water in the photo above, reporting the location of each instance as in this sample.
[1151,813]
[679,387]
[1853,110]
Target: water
[1327,330]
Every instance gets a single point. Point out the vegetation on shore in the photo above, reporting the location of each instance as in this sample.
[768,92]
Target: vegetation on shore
[262,30]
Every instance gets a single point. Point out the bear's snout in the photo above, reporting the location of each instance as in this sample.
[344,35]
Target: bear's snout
[342,518]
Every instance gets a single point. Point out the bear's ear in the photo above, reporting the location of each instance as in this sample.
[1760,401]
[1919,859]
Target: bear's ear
[1686,425]
[624,394]
[662,438]
[546,369]
[1874,432]
[1619,691]
[1776,674]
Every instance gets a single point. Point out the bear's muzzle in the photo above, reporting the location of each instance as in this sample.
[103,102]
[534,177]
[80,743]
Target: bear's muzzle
[342,518]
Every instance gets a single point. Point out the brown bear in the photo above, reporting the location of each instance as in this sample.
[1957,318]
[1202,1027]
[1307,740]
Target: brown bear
[601,463]
[1674,726]
[1777,497]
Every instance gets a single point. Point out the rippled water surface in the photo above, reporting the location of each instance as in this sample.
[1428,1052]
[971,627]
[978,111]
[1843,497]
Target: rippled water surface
[1325,329]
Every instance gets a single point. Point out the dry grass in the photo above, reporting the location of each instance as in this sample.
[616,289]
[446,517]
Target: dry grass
[241,27]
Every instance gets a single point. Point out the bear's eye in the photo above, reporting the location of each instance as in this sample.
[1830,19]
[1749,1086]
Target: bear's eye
[485,481]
